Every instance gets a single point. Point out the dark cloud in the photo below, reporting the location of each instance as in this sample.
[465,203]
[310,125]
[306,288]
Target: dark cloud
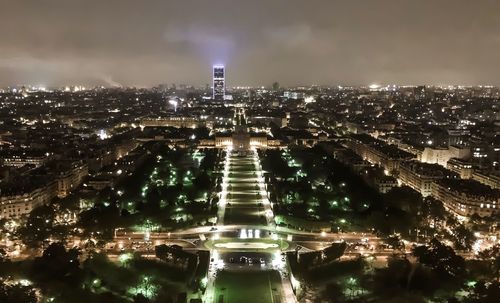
[292,41]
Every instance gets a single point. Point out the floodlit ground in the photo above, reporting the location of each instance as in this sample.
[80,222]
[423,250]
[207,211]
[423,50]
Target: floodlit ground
[244,267]
[245,215]
[246,245]
[244,203]
[248,287]
[263,244]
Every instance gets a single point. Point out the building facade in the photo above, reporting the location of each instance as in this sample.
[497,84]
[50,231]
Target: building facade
[461,167]
[378,152]
[70,179]
[24,159]
[175,121]
[218,82]
[491,180]
[442,155]
[15,205]
[464,198]
[420,176]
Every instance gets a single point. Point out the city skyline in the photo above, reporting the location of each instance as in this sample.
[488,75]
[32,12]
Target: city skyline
[218,82]
[259,151]
[176,194]
[296,43]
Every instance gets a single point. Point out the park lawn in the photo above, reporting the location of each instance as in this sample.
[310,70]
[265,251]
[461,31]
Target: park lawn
[244,215]
[243,168]
[248,287]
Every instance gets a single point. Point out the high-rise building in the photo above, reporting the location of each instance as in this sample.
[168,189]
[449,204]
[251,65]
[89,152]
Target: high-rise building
[219,85]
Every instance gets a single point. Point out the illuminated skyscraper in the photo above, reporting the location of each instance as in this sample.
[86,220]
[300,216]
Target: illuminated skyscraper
[219,85]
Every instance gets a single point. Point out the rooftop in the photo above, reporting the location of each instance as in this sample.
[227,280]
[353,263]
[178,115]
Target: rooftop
[470,187]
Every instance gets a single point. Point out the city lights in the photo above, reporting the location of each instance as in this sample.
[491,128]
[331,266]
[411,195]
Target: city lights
[184,182]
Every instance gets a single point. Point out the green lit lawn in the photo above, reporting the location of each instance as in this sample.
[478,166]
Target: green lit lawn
[243,194]
[248,287]
[244,215]
[242,168]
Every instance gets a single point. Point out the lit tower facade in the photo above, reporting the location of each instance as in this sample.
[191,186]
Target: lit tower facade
[219,82]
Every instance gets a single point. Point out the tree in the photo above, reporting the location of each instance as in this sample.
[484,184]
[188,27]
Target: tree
[3,256]
[333,292]
[161,251]
[57,264]
[100,221]
[201,132]
[209,161]
[492,254]
[485,293]
[202,182]
[395,242]
[403,198]
[39,226]
[434,209]
[17,293]
[140,298]
[441,258]
[463,238]
[403,276]
[395,275]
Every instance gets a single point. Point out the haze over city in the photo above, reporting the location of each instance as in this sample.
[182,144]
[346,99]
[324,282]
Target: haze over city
[328,42]
[218,151]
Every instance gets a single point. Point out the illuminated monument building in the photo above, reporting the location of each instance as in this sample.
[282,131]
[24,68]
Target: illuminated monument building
[241,137]
[219,85]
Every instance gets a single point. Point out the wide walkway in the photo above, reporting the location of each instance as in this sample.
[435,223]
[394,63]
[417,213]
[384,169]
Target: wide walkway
[244,204]
[243,198]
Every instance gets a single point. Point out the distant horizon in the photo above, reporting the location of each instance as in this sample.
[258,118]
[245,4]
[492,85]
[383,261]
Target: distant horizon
[201,86]
[334,42]
[109,83]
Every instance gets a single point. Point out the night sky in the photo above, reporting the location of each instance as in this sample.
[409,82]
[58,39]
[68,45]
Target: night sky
[351,42]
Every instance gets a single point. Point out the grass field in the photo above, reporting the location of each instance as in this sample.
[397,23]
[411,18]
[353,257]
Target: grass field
[244,215]
[243,196]
[248,287]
